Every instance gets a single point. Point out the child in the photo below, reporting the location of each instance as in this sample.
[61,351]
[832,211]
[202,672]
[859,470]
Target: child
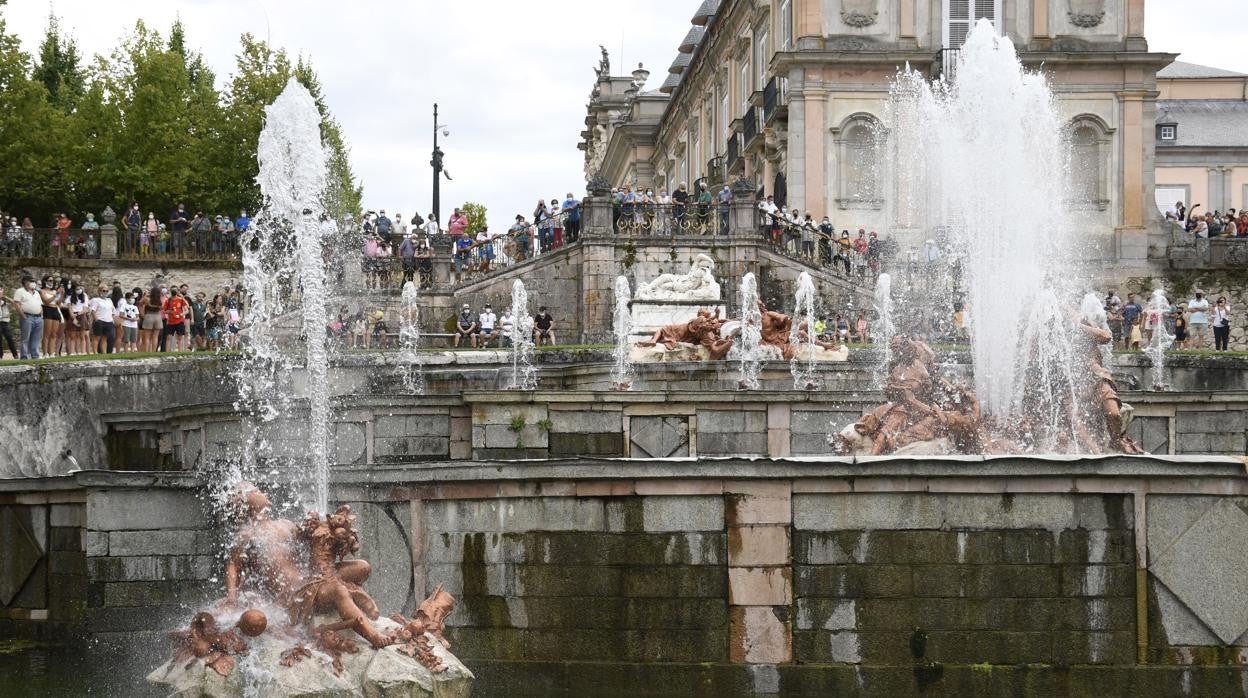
[359,334]
[1136,335]
[145,243]
[1180,329]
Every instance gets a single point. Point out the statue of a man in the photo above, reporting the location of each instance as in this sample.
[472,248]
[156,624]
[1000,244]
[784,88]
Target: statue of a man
[263,556]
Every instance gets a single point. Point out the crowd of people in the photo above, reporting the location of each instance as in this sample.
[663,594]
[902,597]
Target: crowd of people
[1190,324]
[1227,223]
[58,315]
[181,233]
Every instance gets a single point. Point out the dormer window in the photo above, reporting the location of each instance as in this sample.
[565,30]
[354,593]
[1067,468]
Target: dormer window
[1168,132]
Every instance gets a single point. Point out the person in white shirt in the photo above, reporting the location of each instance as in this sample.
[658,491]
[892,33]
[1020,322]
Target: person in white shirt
[507,325]
[1198,320]
[431,227]
[129,314]
[30,310]
[486,332]
[1221,324]
[104,330]
[400,228]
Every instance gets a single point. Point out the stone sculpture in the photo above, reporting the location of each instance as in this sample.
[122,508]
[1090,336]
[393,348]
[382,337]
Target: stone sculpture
[697,285]
[299,573]
[708,337]
[702,331]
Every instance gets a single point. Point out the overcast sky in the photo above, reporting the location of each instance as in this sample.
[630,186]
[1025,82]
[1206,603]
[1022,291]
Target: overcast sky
[511,78]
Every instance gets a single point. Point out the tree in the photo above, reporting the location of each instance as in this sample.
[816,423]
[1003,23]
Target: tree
[476,214]
[59,68]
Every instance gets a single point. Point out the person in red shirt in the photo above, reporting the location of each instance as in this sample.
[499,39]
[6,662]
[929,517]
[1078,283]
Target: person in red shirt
[176,309]
[61,241]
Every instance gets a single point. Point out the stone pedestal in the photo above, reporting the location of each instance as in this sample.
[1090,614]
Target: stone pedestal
[108,241]
[596,218]
[649,316]
[441,260]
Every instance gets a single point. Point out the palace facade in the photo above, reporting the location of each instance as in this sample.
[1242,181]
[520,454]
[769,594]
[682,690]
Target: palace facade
[789,93]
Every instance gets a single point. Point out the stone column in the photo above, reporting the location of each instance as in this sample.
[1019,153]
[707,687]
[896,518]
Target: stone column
[1132,233]
[442,269]
[1040,21]
[1135,26]
[760,574]
[815,200]
[108,241]
[596,218]
[743,216]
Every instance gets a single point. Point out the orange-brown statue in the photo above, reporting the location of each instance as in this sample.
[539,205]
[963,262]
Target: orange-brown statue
[263,557]
[430,617]
[207,641]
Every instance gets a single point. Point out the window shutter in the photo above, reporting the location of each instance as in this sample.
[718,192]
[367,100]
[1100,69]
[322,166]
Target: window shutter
[957,22]
[986,9]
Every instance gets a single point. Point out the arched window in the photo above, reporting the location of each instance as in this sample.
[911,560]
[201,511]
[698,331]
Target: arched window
[1090,142]
[858,156]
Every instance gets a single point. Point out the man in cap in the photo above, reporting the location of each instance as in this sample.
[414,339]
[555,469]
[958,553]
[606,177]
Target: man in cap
[465,326]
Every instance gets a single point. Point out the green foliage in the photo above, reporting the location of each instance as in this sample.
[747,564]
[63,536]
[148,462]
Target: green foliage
[545,425]
[145,123]
[476,214]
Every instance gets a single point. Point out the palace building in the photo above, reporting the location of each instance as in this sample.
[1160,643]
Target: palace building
[791,93]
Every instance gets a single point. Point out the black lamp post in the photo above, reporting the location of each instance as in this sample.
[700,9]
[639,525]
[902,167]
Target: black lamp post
[436,163]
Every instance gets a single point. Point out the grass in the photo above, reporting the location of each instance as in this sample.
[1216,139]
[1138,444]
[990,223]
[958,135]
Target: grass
[108,357]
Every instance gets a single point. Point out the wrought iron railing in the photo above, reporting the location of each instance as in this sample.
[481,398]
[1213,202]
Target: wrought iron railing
[949,63]
[645,219]
[749,127]
[734,150]
[842,256]
[48,242]
[775,98]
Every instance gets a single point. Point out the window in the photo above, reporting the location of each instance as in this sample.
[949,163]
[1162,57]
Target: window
[1169,132]
[786,25]
[858,151]
[743,83]
[961,15]
[723,116]
[760,59]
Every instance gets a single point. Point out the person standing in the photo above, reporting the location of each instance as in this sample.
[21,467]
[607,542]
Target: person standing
[1221,324]
[808,237]
[179,223]
[704,208]
[433,230]
[1198,320]
[129,314]
[457,225]
[6,335]
[407,251]
[385,228]
[572,218]
[176,310]
[485,248]
[1180,328]
[29,302]
[1130,313]
[725,205]
[103,328]
[199,322]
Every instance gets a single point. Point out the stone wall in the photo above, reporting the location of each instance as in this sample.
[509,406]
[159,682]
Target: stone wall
[208,277]
[734,576]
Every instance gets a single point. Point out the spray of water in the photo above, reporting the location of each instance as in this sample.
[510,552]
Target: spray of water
[885,329]
[987,159]
[523,373]
[622,372]
[802,335]
[410,368]
[1159,343]
[284,274]
[749,344]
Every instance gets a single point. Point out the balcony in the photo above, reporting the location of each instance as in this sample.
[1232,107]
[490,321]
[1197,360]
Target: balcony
[775,100]
[734,150]
[947,65]
[749,128]
[715,172]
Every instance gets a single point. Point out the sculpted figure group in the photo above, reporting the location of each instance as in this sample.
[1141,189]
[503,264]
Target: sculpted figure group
[303,569]
[718,335]
[928,415]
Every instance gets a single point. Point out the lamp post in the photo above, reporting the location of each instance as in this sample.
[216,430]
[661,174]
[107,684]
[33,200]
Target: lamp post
[436,163]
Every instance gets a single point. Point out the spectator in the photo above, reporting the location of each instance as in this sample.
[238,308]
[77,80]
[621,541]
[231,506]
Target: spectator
[875,251]
[465,326]
[103,328]
[176,311]
[808,237]
[400,228]
[424,262]
[179,224]
[680,200]
[243,223]
[432,229]
[519,233]
[545,226]
[52,297]
[572,218]
[216,317]
[385,228]
[149,235]
[1198,320]
[557,224]
[129,314]
[1221,324]
[485,248]
[133,220]
[864,334]
[1180,328]
[28,301]
[201,230]
[842,328]
[199,321]
[463,254]
[457,224]
[543,327]
[486,328]
[704,207]
[507,327]
[826,233]
[407,251]
[1130,313]
[725,205]
[153,320]
[78,322]
[381,331]
[60,243]
[7,307]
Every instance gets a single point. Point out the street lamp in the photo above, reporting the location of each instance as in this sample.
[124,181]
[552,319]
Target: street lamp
[436,163]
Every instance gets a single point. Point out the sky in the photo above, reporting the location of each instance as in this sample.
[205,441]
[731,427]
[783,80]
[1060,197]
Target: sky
[511,78]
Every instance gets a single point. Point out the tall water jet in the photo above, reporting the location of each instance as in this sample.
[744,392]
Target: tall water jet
[749,343]
[523,373]
[284,273]
[802,335]
[622,372]
[1161,339]
[990,152]
[410,366]
[884,326]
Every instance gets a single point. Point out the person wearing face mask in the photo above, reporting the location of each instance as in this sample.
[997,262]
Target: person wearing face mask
[78,320]
[50,297]
[149,235]
[104,326]
[29,303]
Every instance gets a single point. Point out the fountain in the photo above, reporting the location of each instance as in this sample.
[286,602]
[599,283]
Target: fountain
[802,335]
[523,373]
[749,343]
[990,155]
[284,273]
[1161,339]
[884,327]
[410,368]
[622,373]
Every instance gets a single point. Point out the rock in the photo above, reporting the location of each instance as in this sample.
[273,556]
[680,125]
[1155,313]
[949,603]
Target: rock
[372,673]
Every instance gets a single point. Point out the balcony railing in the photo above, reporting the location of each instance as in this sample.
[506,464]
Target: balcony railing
[715,170]
[749,127]
[775,99]
[949,63]
[734,150]
[671,220]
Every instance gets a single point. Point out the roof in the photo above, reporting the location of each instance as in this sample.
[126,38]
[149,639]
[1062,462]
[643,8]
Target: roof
[1215,123]
[683,60]
[1181,70]
[670,83]
[692,39]
[705,12]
